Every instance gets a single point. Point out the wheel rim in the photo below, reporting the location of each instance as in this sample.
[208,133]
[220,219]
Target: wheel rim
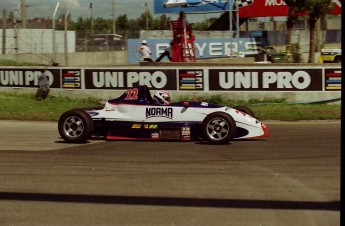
[73,126]
[217,128]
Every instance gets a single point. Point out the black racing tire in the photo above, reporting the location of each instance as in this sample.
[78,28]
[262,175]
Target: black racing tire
[245,110]
[218,128]
[75,126]
[337,59]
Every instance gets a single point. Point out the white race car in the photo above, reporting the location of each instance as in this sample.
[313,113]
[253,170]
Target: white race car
[135,116]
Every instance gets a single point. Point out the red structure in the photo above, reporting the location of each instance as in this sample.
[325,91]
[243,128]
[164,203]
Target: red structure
[182,47]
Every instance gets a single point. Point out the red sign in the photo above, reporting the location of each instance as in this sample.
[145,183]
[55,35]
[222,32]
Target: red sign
[270,8]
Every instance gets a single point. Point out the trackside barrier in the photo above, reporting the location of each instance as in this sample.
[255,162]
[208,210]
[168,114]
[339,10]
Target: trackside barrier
[294,83]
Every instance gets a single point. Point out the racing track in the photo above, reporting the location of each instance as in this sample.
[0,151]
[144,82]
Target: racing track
[291,178]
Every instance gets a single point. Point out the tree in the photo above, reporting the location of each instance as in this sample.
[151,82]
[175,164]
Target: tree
[161,23]
[145,19]
[316,9]
[296,7]
[122,22]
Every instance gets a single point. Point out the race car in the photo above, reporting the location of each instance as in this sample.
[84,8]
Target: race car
[136,116]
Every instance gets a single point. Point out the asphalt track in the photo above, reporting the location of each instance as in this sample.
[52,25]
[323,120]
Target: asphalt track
[291,178]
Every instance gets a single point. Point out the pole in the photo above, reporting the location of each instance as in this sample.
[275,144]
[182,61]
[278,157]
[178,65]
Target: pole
[16,49]
[114,24]
[237,28]
[54,35]
[146,16]
[91,17]
[4,28]
[66,40]
[23,9]
[231,28]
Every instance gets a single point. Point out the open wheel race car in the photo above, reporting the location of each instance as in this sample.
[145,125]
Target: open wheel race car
[135,116]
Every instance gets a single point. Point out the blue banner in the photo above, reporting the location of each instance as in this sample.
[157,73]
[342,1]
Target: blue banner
[210,6]
[204,47]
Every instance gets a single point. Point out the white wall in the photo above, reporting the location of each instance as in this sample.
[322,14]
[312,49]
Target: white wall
[38,41]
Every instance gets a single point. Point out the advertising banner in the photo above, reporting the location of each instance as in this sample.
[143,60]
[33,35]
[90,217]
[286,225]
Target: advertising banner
[115,79]
[71,78]
[333,79]
[204,47]
[27,77]
[160,6]
[271,8]
[265,79]
[192,79]
[247,8]
[261,78]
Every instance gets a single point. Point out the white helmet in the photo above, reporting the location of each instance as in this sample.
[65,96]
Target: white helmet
[162,97]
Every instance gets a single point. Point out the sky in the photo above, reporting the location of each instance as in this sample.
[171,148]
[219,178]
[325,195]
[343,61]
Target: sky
[101,8]
[79,8]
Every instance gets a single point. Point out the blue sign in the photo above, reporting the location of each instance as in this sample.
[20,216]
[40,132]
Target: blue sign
[204,6]
[205,48]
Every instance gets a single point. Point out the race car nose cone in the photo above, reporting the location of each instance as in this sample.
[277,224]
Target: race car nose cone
[265,129]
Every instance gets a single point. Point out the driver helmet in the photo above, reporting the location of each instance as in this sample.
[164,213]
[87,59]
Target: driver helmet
[162,97]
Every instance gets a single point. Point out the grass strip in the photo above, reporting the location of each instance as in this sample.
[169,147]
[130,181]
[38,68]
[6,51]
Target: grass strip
[15,106]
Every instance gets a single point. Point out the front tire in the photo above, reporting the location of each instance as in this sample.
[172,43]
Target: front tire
[219,128]
[75,126]
[245,109]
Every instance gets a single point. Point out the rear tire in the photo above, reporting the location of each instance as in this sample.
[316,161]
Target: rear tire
[75,126]
[219,128]
[337,59]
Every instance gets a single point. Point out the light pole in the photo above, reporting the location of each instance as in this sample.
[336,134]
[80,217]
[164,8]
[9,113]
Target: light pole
[54,36]
[4,28]
[114,24]
[231,10]
[146,15]
[66,39]
[91,16]
[23,10]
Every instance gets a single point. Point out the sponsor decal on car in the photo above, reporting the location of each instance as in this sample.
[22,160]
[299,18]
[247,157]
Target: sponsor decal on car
[92,114]
[136,126]
[155,135]
[145,126]
[159,112]
[185,133]
[150,126]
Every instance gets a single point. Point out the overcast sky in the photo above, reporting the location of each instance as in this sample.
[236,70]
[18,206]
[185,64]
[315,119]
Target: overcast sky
[101,8]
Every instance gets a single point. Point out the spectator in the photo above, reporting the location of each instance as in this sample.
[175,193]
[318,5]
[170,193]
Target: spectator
[167,52]
[43,86]
[145,52]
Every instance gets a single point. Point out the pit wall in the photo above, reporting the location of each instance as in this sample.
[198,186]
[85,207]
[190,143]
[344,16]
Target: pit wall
[303,83]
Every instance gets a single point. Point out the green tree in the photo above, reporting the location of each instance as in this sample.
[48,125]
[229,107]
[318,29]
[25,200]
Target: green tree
[102,26]
[122,22]
[144,19]
[316,9]
[161,23]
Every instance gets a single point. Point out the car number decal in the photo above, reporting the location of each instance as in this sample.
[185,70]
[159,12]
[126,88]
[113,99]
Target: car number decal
[132,94]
